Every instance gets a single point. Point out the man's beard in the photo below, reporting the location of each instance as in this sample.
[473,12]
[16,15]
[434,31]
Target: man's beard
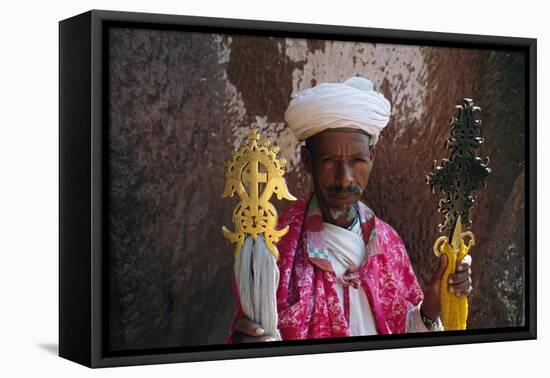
[348,213]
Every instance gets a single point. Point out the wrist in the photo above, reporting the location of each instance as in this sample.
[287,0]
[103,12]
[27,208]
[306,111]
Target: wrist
[430,323]
[427,312]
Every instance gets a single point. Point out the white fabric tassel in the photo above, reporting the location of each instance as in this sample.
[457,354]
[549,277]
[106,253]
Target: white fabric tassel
[257,277]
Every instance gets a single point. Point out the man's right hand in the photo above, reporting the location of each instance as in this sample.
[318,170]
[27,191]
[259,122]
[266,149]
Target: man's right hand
[247,331]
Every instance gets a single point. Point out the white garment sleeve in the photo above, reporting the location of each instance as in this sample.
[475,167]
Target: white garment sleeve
[415,323]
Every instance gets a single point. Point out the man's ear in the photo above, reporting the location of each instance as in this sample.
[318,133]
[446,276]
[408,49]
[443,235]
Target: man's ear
[372,152]
[306,159]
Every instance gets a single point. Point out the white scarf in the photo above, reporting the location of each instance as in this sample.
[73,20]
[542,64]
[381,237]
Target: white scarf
[347,249]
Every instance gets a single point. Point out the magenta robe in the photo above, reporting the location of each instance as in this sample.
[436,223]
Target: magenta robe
[307,302]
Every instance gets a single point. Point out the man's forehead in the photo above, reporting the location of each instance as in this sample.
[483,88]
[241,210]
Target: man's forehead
[335,139]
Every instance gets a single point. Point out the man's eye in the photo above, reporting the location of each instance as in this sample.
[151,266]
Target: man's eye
[360,160]
[328,160]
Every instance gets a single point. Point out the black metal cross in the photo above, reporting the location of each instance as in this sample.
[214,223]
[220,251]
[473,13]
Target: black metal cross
[463,173]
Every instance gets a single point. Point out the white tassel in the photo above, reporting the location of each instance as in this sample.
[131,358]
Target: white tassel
[257,277]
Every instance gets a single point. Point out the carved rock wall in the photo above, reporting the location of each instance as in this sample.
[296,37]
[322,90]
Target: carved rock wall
[180,101]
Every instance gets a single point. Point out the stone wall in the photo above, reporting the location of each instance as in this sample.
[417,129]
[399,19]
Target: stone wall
[180,101]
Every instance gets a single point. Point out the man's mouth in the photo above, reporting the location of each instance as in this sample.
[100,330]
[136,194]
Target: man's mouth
[343,199]
[342,196]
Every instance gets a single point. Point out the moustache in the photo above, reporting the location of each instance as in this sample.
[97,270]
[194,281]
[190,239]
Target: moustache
[339,189]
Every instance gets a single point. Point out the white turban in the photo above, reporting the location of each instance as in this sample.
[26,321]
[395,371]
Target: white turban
[352,104]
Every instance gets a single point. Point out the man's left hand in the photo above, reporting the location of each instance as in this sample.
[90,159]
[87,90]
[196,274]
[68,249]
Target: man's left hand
[459,284]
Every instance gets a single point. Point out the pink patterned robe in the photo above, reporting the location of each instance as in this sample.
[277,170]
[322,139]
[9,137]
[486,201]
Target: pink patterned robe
[307,301]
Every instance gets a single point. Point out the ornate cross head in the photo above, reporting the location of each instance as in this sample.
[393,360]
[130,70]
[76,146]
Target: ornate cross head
[463,173]
[255,174]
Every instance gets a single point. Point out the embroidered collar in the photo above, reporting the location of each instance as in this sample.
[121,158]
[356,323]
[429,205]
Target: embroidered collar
[315,240]
[354,223]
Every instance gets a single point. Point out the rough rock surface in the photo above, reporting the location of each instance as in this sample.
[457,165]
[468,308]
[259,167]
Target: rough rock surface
[179,101]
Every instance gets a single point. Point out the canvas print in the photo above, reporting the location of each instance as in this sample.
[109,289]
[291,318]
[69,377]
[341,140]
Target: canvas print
[366,189]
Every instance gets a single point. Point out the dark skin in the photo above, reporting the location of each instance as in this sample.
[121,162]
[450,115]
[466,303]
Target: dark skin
[340,162]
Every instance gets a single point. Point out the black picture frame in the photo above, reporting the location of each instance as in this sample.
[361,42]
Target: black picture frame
[82,201]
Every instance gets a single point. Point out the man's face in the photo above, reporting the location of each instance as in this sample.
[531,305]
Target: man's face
[340,164]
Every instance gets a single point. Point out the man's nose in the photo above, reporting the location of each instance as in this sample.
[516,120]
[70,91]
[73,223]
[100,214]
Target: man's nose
[344,174]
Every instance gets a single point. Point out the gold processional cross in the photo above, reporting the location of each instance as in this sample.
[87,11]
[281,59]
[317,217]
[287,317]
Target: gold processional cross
[255,174]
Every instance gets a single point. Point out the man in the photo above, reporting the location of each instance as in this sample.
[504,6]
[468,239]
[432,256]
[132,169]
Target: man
[344,271]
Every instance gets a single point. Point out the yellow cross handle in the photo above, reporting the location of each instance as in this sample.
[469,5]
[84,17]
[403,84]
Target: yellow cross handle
[454,309]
